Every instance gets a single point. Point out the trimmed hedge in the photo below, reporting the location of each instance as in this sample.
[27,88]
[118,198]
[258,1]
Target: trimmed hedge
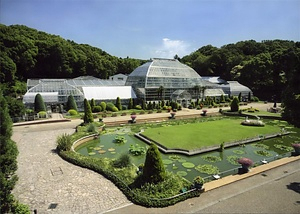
[95,165]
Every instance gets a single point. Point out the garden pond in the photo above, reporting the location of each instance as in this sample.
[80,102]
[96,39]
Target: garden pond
[204,164]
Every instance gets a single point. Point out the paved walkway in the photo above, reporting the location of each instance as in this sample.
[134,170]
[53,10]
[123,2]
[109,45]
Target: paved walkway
[46,180]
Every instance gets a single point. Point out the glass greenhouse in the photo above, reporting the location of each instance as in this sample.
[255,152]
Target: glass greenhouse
[160,78]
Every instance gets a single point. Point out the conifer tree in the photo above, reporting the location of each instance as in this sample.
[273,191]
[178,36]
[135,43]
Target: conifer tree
[39,104]
[130,103]
[71,104]
[88,116]
[234,104]
[93,104]
[118,104]
[154,170]
[8,159]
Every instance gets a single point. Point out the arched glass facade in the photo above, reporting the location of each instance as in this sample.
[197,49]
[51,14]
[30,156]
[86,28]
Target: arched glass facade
[160,78]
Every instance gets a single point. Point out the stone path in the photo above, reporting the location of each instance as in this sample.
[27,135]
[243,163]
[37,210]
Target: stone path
[46,181]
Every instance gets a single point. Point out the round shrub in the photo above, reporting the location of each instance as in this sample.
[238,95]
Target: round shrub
[109,106]
[114,109]
[103,105]
[138,107]
[123,161]
[234,106]
[72,112]
[97,109]
[42,114]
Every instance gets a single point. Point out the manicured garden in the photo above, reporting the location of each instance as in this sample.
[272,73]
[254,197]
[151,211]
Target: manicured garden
[192,136]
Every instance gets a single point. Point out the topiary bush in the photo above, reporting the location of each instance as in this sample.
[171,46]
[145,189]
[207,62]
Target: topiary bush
[39,104]
[72,112]
[154,170]
[71,104]
[103,105]
[42,114]
[88,116]
[97,109]
[234,105]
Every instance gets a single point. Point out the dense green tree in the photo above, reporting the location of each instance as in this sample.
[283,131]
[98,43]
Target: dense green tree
[71,104]
[240,96]
[88,116]
[103,105]
[8,159]
[93,104]
[234,105]
[154,170]
[130,104]
[15,106]
[144,105]
[39,104]
[119,104]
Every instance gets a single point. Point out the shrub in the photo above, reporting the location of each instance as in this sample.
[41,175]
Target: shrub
[138,107]
[72,112]
[123,114]
[154,170]
[123,161]
[71,104]
[42,114]
[109,106]
[91,128]
[114,115]
[39,104]
[124,107]
[118,104]
[103,106]
[142,112]
[165,107]
[114,109]
[254,99]
[64,142]
[234,106]
[97,108]
[159,111]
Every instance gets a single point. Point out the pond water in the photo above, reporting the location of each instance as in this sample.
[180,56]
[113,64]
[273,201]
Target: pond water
[190,166]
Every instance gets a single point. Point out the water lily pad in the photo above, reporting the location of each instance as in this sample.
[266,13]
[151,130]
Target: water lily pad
[91,147]
[92,153]
[112,152]
[188,170]
[101,151]
[263,153]
[188,165]
[208,169]
[175,167]
[238,152]
[167,161]
[97,148]
[181,173]
[174,157]
[182,160]
[111,149]
[233,159]
[211,158]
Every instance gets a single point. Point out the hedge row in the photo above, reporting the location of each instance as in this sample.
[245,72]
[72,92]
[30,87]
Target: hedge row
[95,165]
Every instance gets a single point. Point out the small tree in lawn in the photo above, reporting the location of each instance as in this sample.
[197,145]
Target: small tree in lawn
[234,106]
[154,170]
[88,116]
[130,104]
[240,97]
[118,104]
[71,104]
[93,104]
[39,104]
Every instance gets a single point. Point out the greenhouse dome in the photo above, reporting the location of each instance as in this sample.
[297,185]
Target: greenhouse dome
[160,78]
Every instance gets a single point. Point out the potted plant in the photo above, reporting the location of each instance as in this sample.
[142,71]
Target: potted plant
[198,182]
[133,118]
[296,146]
[246,163]
[173,115]
[204,112]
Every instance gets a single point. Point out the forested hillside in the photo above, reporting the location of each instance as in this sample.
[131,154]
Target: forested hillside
[265,67]
[29,53]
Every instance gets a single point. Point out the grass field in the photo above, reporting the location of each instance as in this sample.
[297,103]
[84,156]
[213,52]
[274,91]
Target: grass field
[196,135]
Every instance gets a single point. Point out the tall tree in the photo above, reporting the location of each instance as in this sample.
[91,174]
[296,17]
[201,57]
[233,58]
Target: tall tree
[118,104]
[88,116]
[8,159]
[154,170]
[234,105]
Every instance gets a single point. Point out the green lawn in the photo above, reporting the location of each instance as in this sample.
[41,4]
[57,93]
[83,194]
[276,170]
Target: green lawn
[197,135]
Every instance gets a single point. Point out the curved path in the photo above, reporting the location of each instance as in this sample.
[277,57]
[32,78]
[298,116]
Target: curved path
[45,180]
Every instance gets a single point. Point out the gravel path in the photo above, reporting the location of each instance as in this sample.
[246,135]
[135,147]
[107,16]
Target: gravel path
[45,180]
